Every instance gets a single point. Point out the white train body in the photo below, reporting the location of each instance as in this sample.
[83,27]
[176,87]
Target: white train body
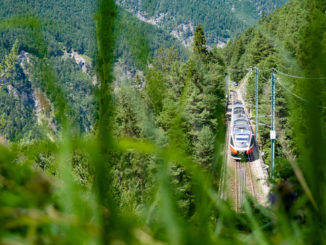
[241,137]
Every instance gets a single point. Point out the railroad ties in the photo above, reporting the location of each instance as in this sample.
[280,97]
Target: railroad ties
[244,183]
[242,175]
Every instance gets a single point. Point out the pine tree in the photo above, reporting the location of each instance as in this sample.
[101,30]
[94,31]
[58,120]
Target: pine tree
[200,46]
[155,89]
[204,146]
[9,61]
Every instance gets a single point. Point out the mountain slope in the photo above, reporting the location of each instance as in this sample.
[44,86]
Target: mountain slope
[68,28]
[70,25]
[221,19]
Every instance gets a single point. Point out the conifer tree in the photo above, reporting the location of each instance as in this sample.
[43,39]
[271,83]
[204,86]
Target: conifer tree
[200,46]
[9,61]
[155,89]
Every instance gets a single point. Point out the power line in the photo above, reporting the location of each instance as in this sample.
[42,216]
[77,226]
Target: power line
[240,70]
[267,80]
[275,80]
[295,95]
[266,70]
[299,77]
[289,91]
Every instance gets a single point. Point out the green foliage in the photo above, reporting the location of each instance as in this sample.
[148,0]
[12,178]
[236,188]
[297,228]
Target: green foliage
[271,44]
[137,42]
[16,105]
[291,40]
[311,142]
[222,20]
[200,47]
[159,111]
[155,89]
[66,24]
[9,61]
[204,146]
[145,175]
[79,89]
[70,26]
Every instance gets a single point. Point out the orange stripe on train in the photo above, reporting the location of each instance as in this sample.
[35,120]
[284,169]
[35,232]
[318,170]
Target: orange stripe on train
[234,151]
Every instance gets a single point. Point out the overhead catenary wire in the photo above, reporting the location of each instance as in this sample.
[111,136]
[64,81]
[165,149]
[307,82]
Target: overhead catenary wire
[298,77]
[282,85]
[274,79]
[240,70]
[266,70]
[289,91]
[267,80]
[294,94]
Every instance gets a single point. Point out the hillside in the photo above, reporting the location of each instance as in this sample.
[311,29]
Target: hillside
[69,30]
[126,137]
[275,42]
[70,25]
[222,20]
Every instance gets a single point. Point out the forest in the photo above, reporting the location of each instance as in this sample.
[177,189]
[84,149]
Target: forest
[222,20]
[259,47]
[70,28]
[113,132]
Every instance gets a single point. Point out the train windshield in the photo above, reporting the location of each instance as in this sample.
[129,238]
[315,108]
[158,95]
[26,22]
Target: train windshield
[241,123]
[239,110]
[241,128]
[237,131]
[242,138]
[238,102]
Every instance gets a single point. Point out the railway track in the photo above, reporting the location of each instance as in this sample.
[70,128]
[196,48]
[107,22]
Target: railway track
[240,177]
[242,173]
[252,184]
[244,183]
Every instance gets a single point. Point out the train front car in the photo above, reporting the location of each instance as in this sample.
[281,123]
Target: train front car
[241,138]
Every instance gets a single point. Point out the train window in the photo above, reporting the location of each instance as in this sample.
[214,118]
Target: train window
[240,122]
[238,102]
[242,139]
[239,110]
[241,131]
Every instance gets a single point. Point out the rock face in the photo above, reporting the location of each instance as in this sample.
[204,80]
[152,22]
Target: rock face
[77,89]
[43,107]
[12,91]
[222,19]
[81,61]
[184,33]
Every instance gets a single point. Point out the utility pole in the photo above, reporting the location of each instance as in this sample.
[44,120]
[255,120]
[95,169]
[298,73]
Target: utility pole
[273,132]
[227,88]
[228,85]
[256,126]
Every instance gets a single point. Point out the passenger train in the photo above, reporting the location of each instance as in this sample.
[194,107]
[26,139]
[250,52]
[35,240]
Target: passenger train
[241,137]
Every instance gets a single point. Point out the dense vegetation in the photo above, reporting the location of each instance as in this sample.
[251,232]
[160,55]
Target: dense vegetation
[185,99]
[146,168]
[70,25]
[272,43]
[137,42]
[281,41]
[17,118]
[222,20]
[67,27]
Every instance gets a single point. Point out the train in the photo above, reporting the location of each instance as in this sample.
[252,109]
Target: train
[241,137]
